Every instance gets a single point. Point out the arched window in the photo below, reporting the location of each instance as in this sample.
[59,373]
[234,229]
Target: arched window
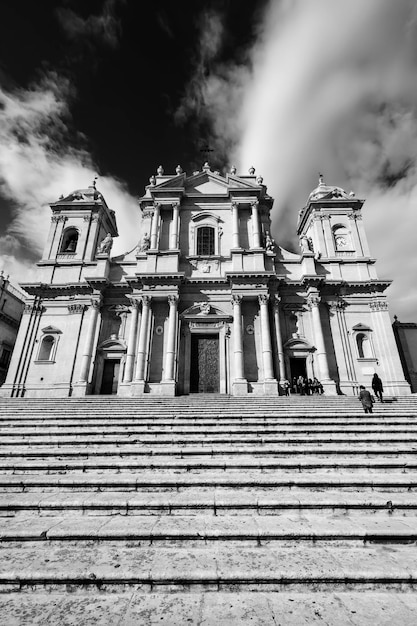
[341,235]
[364,346]
[205,241]
[46,348]
[69,241]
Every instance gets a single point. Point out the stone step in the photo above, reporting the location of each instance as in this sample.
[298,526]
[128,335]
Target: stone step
[111,563]
[255,501]
[197,464]
[212,440]
[205,431]
[232,479]
[223,608]
[290,451]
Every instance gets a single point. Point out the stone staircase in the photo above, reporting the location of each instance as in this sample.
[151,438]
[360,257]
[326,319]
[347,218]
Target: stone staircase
[208,510]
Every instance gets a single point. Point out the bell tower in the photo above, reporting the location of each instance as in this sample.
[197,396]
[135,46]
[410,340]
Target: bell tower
[331,226]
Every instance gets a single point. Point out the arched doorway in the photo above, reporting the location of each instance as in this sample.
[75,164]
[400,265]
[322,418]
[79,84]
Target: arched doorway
[299,359]
[110,362]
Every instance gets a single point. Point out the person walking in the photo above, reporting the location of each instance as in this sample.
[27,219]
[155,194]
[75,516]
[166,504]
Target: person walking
[366,399]
[377,386]
[286,387]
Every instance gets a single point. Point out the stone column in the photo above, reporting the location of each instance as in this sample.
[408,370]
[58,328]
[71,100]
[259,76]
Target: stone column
[171,339]
[173,239]
[355,235]
[239,385]
[278,335]
[155,226]
[328,236]
[143,339]
[235,225]
[89,340]
[255,225]
[131,344]
[266,337]
[313,300]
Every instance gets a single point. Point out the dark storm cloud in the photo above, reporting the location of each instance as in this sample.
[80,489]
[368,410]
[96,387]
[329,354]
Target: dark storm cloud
[104,27]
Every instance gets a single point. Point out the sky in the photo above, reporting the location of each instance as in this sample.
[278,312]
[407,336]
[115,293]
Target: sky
[114,88]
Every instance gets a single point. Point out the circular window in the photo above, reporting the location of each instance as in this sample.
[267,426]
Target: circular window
[159,330]
[250,329]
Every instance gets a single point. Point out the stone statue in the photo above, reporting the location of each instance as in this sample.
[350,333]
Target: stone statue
[145,243]
[305,244]
[269,242]
[106,244]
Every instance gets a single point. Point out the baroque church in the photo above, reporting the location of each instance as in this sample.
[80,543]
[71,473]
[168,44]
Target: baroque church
[207,302]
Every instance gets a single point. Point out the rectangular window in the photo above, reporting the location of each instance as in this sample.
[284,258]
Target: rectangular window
[205,241]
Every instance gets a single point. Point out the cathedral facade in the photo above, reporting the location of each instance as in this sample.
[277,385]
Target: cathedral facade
[207,302]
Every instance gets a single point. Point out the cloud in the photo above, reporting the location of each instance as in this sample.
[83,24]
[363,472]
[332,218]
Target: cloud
[329,86]
[103,28]
[38,164]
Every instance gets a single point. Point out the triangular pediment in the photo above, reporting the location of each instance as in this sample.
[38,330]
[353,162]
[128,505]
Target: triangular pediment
[361,326]
[49,330]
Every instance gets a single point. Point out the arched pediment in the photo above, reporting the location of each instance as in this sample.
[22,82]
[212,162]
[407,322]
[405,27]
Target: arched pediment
[204,309]
[51,330]
[113,345]
[296,343]
[206,215]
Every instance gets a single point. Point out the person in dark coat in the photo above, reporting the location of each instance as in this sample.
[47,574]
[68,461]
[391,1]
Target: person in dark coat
[377,386]
[366,399]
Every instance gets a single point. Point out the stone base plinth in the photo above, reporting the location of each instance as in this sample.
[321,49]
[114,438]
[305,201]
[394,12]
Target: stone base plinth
[271,388]
[80,389]
[239,388]
[329,387]
[138,387]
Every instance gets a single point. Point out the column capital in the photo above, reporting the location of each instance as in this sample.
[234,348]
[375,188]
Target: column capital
[378,305]
[95,303]
[172,300]
[176,205]
[355,216]
[146,300]
[313,300]
[134,302]
[59,218]
[263,298]
[76,307]
[255,204]
[236,299]
[276,300]
[157,206]
[234,206]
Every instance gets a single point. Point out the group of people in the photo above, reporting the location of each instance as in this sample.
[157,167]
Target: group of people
[303,386]
[365,396]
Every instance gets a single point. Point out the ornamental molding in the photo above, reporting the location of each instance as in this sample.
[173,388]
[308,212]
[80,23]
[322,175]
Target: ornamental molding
[236,300]
[263,298]
[59,218]
[76,307]
[378,305]
[33,307]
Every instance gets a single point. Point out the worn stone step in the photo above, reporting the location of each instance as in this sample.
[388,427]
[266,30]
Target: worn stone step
[213,501]
[141,465]
[94,564]
[212,439]
[232,479]
[205,431]
[223,608]
[289,451]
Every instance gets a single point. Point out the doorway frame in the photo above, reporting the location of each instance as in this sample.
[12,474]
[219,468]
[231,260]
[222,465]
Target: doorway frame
[111,349]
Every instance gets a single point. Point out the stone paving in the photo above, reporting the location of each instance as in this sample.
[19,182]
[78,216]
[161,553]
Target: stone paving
[208,510]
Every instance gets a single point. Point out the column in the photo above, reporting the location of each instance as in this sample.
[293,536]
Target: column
[278,335]
[255,225]
[320,241]
[362,234]
[171,339]
[131,344]
[313,300]
[355,235]
[89,341]
[173,239]
[155,226]
[328,236]
[143,338]
[60,219]
[235,225]
[237,337]
[266,337]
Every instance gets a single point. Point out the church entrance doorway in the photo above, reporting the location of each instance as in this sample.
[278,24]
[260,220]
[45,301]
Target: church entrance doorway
[298,367]
[204,370]
[110,378]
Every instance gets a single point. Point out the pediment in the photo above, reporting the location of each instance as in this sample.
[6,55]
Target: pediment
[50,330]
[361,326]
[204,309]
